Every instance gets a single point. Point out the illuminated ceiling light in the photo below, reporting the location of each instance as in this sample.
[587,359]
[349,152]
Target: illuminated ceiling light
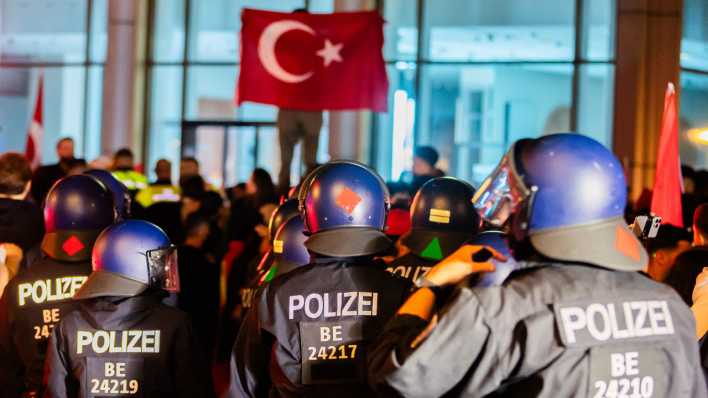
[698,136]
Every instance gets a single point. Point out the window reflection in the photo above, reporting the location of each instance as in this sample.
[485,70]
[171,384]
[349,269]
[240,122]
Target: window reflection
[694,119]
[471,114]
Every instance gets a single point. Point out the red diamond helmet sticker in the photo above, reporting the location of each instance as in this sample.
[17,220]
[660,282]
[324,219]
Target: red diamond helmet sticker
[348,200]
[72,245]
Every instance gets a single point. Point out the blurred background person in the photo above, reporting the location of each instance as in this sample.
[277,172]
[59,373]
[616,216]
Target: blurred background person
[663,250]
[160,190]
[21,221]
[243,250]
[199,283]
[163,172]
[696,259]
[690,263]
[76,166]
[124,170]
[293,126]
[237,192]
[188,167]
[45,176]
[424,160]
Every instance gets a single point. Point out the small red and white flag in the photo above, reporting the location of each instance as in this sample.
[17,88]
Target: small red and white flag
[666,198]
[35,133]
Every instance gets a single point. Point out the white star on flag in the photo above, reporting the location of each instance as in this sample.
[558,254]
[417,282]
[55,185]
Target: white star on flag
[330,52]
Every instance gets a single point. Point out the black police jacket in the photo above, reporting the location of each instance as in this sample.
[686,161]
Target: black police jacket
[410,266]
[307,332]
[703,344]
[134,346]
[549,331]
[32,304]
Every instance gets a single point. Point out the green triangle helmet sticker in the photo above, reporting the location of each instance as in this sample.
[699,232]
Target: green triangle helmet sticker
[433,251]
[272,272]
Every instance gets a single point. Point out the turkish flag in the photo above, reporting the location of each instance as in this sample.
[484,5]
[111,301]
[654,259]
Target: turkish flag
[313,61]
[35,133]
[666,198]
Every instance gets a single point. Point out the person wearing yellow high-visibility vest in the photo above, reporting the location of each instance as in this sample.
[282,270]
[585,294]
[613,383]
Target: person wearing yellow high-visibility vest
[162,189]
[123,170]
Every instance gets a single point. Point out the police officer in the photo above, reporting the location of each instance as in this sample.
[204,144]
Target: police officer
[121,195]
[578,321]
[257,271]
[124,171]
[442,219]
[307,332]
[76,209]
[122,340]
[289,251]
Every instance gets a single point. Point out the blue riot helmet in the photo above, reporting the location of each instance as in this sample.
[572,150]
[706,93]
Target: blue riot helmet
[566,194]
[76,210]
[129,257]
[497,240]
[283,213]
[344,205]
[442,218]
[121,195]
[289,251]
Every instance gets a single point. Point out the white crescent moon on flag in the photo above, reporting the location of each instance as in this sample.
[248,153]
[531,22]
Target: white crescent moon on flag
[266,49]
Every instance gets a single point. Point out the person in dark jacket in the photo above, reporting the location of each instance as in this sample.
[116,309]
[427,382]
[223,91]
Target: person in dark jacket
[425,158]
[21,221]
[244,251]
[123,340]
[76,210]
[578,320]
[690,263]
[307,332]
[45,176]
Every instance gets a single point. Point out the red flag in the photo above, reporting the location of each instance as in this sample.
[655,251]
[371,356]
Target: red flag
[666,199]
[313,61]
[35,132]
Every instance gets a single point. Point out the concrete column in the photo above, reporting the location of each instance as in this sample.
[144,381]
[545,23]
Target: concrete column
[349,130]
[123,77]
[648,48]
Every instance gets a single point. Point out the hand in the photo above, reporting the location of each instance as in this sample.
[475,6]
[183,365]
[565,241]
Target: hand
[460,264]
[13,258]
[701,288]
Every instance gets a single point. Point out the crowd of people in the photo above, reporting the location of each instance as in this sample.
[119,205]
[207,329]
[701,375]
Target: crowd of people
[346,285]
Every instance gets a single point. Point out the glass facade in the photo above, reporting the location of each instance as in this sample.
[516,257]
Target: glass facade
[471,76]
[694,85]
[466,76]
[65,42]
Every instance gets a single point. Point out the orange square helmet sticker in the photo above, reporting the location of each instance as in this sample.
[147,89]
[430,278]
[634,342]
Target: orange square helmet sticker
[348,200]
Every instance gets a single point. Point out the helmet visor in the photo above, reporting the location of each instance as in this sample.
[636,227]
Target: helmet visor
[502,193]
[162,267]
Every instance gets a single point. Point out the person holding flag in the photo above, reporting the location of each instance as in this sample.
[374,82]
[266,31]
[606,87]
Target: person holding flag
[307,63]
